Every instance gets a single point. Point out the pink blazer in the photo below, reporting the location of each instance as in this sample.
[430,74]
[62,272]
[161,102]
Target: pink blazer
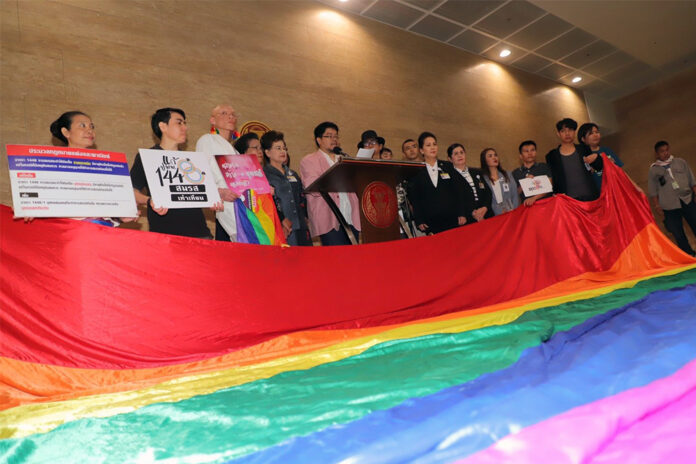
[321,219]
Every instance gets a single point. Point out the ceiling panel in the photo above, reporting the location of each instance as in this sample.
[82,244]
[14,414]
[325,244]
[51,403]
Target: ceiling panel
[391,12]
[566,44]
[629,72]
[540,32]
[469,11]
[588,54]
[655,31]
[555,71]
[424,4]
[436,28]
[510,18]
[609,63]
[549,42]
[531,63]
[472,41]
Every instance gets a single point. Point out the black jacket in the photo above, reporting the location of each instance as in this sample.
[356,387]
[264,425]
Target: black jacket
[289,196]
[439,207]
[483,192]
[560,185]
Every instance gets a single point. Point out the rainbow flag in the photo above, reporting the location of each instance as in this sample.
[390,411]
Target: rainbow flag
[257,219]
[558,333]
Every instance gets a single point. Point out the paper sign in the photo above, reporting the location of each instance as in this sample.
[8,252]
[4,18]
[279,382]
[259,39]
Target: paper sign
[69,182]
[536,185]
[242,173]
[179,179]
[365,153]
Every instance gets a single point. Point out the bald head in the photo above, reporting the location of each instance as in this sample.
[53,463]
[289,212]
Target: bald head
[224,118]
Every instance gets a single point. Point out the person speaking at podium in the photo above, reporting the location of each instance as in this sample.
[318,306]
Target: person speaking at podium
[322,221]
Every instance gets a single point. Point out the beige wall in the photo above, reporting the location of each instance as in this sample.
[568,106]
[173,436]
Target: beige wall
[290,64]
[663,111]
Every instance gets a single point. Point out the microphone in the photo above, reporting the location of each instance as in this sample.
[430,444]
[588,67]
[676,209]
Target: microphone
[338,151]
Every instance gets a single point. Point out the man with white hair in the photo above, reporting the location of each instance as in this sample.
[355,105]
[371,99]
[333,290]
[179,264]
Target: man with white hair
[223,122]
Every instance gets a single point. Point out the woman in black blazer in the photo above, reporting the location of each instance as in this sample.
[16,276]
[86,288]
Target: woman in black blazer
[481,194]
[438,194]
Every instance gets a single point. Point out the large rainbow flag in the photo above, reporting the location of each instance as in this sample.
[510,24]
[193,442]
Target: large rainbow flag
[558,333]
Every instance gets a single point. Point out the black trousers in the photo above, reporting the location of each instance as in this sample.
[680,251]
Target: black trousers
[337,237]
[675,226]
[220,232]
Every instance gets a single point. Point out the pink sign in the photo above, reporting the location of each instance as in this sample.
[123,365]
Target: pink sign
[243,172]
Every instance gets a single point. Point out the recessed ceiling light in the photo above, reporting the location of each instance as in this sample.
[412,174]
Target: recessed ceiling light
[505,52]
[343,1]
[577,79]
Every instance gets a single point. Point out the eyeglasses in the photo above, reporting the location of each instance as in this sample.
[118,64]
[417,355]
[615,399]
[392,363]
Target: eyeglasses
[226,113]
[332,137]
[370,143]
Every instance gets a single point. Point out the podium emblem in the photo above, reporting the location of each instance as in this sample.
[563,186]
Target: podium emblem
[379,204]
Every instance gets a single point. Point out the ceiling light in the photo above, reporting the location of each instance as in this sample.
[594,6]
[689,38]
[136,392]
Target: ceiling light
[505,52]
[576,79]
[343,1]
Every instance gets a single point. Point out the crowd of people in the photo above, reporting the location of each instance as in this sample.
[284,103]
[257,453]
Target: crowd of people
[445,195]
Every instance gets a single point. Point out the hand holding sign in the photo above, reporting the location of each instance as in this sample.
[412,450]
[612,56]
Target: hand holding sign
[179,179]
[532,186]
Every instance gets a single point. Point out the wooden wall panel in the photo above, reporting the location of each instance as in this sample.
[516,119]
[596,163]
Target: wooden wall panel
[288,64]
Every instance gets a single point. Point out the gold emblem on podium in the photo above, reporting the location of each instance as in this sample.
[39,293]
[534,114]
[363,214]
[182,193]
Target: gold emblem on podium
[379,204]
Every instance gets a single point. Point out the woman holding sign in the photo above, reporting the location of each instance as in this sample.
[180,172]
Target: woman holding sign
[289,197]
[169,126]
[76,130]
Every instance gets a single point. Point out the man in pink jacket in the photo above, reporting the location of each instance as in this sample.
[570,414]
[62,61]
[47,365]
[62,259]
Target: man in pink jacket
[322,221]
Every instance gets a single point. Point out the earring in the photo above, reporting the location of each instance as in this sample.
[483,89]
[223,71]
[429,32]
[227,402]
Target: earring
[213,129]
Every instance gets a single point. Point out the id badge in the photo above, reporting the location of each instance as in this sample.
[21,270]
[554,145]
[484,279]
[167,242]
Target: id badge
[444,175]
[506,187]
[675,185]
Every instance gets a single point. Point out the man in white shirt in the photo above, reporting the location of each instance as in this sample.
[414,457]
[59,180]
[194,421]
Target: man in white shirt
[223,122]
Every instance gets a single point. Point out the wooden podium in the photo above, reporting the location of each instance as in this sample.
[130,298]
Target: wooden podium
[374,181]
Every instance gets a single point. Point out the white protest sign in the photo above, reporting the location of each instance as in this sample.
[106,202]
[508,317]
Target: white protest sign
[179,179]
[536,185]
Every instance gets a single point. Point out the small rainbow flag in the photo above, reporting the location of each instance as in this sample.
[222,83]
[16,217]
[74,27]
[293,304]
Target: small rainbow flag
[563,332]
[255,210]
[257,219]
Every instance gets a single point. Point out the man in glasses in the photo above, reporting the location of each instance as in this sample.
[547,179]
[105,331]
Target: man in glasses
[322,222]
[370,139]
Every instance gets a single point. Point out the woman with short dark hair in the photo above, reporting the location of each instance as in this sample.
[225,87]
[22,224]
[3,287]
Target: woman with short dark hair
[288,193]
